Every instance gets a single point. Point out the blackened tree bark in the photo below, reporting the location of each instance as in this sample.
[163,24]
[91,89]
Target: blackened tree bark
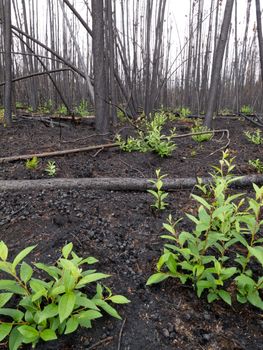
[260,38]
[102,120]
[8,63]
[217,64]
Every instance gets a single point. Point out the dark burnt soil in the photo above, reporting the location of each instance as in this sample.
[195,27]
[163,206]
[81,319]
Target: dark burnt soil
[123,232]
[189,159]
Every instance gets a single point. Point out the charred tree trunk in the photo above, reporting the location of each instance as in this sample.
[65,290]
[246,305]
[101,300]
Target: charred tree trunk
[260,38]
[217,64]
[8,63]
[98,48]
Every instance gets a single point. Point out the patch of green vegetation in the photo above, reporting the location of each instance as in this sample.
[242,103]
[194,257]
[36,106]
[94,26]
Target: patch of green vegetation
[257,164]
[225,111]
[48,307]
[223,246]
[246,109]
[62,110]
[254,137]
[51,168]
[82,109]
[202,137]
[151,138]
[158,194]
[32,164]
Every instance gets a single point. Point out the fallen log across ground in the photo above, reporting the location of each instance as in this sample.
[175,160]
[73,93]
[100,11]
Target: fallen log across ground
[116,184]
[56,153]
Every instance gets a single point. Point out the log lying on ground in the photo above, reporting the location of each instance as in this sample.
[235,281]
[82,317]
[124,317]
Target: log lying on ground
[115,184]
[56,153]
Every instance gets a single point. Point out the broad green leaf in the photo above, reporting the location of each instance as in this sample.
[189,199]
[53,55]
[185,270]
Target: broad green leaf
[50,270]
[157,278]
[57,290]
[72,325]
[29,333]
[257,252]
[85,302]
[119,299]
[26,272]
[22,255]
[3,251]
[66,250]
[106,307]
[6,267]
[49,311]
[16,315]
[91,278]
[15,339]
[90,260]
[169,228]
[90,314]
[202,201]
[225,296]
[66,305]
[5,329]
[211,297]
[193,218]
[4,298]
[48,334]
[255,299]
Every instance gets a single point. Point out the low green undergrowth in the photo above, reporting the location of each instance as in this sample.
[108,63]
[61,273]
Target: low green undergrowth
[223,254]
[158,194]
[256,164]
[150,138]
[254,137]
[202,137]
[44,309]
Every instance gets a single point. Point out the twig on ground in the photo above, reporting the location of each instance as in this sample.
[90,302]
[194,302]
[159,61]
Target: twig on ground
[99,343]
[120,334]
[223,147]
[95,155]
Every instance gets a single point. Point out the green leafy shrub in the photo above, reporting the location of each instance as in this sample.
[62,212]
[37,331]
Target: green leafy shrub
[184,112]
[218,254]
[32,164]
[201,137]
[257,164]
[254,137]
[151,139]
[246,110]
[51,168]
[158,194]
[83,108]
[62,109]
[225,111]
[47,308]
[47,107]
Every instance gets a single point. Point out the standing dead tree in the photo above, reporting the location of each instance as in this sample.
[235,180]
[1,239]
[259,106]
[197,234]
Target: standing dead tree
[217,64]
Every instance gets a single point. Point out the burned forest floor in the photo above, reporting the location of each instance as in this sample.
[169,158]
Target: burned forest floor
[123,232]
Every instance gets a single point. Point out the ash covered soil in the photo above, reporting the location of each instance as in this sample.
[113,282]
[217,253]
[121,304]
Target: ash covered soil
[121,230]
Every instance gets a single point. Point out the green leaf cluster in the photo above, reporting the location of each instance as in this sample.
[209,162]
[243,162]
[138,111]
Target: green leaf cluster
[221,250]
[47,308]
[32,164]
[158,194]
[150,138]
[202,137]
[246,110]
[254,137]
[51,168]
[257,164]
